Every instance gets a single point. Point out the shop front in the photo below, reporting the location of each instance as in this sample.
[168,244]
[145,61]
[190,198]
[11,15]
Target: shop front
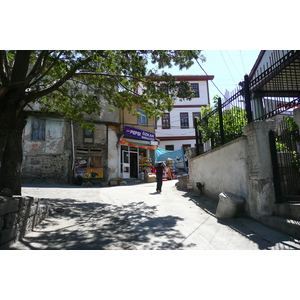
[137,151]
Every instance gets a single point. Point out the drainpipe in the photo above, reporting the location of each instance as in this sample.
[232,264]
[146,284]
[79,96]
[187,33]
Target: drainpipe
[73,148]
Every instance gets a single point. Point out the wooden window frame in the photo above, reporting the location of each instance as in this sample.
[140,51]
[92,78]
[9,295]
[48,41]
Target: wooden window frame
[184,118]
[38,132]
[168,126]
[195,88]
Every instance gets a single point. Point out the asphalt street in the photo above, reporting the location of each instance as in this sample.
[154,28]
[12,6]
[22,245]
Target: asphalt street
[135,217]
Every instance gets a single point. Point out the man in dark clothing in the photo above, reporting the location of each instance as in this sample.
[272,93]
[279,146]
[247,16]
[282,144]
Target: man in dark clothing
[159,175]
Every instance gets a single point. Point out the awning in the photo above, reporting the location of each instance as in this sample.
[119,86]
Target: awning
[137,145]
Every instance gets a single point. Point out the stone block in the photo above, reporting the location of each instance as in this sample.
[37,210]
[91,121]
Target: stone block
[229,205]
[1,222]
[9,206]
[10,220]
[7,234]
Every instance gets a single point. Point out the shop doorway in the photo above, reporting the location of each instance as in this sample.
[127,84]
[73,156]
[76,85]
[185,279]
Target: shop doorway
[134,165]
[129,162]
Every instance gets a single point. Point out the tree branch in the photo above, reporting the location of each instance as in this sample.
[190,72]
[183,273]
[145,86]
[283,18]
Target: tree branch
[108,74]
[32,96]
[4,73]
[38,66]
[47,71]
[20,66]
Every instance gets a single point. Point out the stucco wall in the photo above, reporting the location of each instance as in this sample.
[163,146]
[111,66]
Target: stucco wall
[46,160]
[112,153]
[222,170]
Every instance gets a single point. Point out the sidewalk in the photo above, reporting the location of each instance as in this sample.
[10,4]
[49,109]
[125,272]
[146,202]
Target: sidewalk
[135,217]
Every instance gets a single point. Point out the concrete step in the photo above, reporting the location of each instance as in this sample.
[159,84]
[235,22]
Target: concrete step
[288,226]
[287,210]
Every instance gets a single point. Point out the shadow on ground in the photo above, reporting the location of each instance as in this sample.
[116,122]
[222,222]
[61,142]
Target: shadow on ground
[265,237]
[77,225]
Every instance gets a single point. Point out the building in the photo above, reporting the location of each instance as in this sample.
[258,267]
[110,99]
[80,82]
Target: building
[54,150]
[137,143]
[175,129]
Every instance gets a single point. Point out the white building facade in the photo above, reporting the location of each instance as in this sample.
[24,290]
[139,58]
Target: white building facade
[175,129]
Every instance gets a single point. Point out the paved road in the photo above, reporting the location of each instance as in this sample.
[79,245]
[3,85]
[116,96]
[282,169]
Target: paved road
[136,217]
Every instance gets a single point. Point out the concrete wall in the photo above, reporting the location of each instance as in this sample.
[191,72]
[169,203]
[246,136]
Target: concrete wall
[112,153]
[222,169]
[242,167]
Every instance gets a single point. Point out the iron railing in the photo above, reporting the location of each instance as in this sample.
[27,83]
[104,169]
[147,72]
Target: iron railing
[273,90]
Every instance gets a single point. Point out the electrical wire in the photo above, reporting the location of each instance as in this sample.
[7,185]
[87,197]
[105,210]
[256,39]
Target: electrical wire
[227,67]
[242,62]
[207,75]
[233,63]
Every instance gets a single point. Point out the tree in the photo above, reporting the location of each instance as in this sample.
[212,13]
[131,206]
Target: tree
[55,79]
[234,119]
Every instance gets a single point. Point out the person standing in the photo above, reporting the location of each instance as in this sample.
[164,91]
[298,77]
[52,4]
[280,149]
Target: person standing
[159,175]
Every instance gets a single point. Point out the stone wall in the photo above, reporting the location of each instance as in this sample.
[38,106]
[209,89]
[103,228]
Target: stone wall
[18,216]
[46,168]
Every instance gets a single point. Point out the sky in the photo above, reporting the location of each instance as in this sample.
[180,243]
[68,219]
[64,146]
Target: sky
[228,67]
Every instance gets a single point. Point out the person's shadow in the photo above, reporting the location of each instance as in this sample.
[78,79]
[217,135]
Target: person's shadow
[155,193]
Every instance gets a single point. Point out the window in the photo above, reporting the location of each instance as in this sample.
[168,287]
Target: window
[38,129]
[195,88]
[184,147]
[142,119]
[165,120]
[87,133]
[196,115]
[88,136]
[164,87]
[169,147]
[184,120]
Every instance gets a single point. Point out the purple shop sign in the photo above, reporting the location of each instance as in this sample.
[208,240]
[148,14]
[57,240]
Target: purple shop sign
[139,134]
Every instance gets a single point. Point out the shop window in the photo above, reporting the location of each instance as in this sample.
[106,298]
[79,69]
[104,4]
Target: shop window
[169,147]
[38,129]
[166,121]
[184,120]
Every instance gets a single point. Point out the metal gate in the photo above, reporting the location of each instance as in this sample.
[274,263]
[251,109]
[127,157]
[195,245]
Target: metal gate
[285,149]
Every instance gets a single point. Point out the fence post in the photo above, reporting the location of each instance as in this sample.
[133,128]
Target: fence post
[197,136]
[247,99]
[221,121]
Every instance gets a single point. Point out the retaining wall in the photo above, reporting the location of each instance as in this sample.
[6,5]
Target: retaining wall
[18,216]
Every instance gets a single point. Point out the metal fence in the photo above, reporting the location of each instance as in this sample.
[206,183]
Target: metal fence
[273,90]
[223,122]
[285,147]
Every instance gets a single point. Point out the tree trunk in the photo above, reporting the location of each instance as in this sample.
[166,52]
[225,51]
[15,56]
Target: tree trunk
[11,163]
[8,121]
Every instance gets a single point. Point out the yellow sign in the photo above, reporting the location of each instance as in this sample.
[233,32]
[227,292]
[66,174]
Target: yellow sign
[89,172]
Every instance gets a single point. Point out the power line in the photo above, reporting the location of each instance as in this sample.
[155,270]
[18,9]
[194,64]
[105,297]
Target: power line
[233,63]
[207,75]
[242,62]
[227,66]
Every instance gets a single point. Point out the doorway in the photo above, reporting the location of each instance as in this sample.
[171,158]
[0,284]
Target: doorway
[129,162]
[133,165]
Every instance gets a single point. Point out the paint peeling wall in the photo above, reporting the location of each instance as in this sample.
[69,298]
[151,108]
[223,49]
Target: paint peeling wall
[54,142]
[46,160]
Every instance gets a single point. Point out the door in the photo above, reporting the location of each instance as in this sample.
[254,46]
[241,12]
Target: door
[126,164]
[134,165]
